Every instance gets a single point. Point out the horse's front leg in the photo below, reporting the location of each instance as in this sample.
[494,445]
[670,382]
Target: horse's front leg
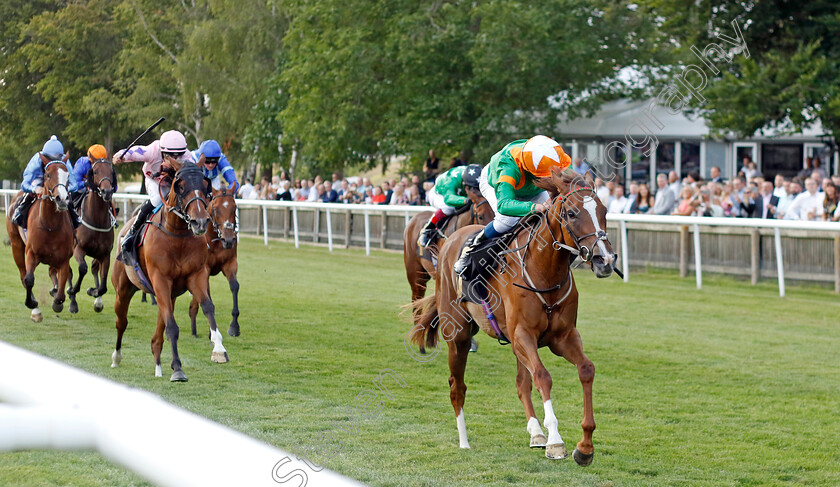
[64,274]
[524,345]
[28,284]
[571,348]
[54,278]
[523,388]
[91,291]
[72,290]
[166,324]
[229,271]
[199,286]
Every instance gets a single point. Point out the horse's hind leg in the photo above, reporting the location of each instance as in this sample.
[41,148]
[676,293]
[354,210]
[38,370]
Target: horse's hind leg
[571,348]
[29,283]
[124,290]
[193,314]
[525,348]
[72,290]
[523,388]
[94,271]
[54,279]
[199,287]
[229,270]
[456,331]
[102,286]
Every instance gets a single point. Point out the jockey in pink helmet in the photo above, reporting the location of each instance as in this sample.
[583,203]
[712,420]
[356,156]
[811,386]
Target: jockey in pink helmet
[172,144]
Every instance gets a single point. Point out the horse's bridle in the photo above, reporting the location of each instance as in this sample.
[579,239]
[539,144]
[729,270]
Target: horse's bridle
[97,187]
[474,210]
[585,253]
[180,209]
[49,194]
[226,225]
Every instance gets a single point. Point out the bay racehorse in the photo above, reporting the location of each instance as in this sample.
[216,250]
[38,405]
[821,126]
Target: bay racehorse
[48,238]
[221,242]
[419,268]
[95,235]
[171,261]
[535,302]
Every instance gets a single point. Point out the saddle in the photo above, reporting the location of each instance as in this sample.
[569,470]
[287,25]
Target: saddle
[140,238]
[483,262]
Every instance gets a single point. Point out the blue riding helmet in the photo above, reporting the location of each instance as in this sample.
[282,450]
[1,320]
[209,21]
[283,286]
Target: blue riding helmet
[210,149]
[53,149]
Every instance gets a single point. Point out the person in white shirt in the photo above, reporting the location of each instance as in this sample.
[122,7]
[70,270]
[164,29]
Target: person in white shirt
[792,191]
[314,195]
[663,202]
[246,189]
[602,191]
[779,186]
[618,201]
[631,203]
[808,205]
[674,184]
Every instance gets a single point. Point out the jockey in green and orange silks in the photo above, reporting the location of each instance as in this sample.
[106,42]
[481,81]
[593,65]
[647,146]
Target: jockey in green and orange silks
[447,196]
[508,185]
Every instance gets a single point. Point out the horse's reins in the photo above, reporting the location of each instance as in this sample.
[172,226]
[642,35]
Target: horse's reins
[98,189]
[585,253]
[49,195]
[226,225]
[180,210]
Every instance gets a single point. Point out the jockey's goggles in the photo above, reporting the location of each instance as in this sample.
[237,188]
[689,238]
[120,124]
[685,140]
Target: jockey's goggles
[211,160]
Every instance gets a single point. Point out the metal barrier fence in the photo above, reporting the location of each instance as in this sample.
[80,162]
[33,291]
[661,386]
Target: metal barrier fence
[777,249]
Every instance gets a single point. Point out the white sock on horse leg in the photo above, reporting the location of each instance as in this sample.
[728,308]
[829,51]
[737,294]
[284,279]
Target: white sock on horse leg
[550,423]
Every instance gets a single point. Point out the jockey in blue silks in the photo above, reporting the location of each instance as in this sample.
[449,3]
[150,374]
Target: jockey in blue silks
[216,165]
[33,181]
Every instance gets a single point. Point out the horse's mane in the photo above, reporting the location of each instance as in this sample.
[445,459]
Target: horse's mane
[189,170]
[562,181]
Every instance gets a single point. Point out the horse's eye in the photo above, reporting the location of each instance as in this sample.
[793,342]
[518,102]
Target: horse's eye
[573,214]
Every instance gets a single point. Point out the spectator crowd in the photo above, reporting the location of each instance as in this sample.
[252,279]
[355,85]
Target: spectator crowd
[810,195]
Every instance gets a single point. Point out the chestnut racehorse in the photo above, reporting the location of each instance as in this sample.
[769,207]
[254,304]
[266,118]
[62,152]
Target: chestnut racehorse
[95,235]
[173,258]
[221,242]
[535,303]
[49,236]
[419,270]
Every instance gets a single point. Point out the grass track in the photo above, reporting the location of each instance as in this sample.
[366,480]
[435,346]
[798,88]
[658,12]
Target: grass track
[728,386]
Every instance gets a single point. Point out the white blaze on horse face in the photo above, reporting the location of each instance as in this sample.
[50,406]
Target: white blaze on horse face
[225,204]
[63,176]
[462,430]
[591,207]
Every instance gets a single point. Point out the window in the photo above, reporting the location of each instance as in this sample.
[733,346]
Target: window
[690,158]
[640,164]
[784,159]
[665,158]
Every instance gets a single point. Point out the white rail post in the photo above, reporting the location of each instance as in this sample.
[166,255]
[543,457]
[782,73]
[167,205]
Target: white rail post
[625,256]
[780,266]
[6,203]
[329,230]
[265,225]
[295,225]
[407,219]
[125,211]
[367,232]
[697,269]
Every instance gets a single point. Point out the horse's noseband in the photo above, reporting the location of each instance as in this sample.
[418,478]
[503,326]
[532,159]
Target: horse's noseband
[586,253]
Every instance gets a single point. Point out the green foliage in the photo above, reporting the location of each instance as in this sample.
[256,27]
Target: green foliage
[790,78]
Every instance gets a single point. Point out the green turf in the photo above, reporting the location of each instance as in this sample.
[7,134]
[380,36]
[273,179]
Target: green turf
[727,386]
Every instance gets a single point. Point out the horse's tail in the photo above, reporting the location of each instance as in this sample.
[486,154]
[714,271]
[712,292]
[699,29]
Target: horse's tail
[425,330]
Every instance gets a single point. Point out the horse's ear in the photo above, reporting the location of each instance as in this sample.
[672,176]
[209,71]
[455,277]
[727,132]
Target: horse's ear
[547,183]
[44,160]
[216,192]
[200,162]
[173,163]
[66,157]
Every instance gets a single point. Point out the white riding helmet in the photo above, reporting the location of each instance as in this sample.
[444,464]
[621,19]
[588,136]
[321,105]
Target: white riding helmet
[173,142]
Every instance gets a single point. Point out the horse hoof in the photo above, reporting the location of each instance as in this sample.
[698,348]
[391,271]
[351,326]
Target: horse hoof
[582,459]
[233,331]
[58,307]
[97,305]
[473,345]
[74,308]
[220,357]
[538,441]
[556,451]
[178,376]
[36,315]
[116,358]
[91,292]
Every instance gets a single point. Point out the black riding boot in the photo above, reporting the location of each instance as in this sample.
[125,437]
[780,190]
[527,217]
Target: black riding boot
[427,234]
[463,263]
[22,210]
[145,210]
[74,217]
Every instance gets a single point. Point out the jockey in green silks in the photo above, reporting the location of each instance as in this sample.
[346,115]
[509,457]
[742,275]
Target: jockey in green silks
[447,196]
[508,185]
